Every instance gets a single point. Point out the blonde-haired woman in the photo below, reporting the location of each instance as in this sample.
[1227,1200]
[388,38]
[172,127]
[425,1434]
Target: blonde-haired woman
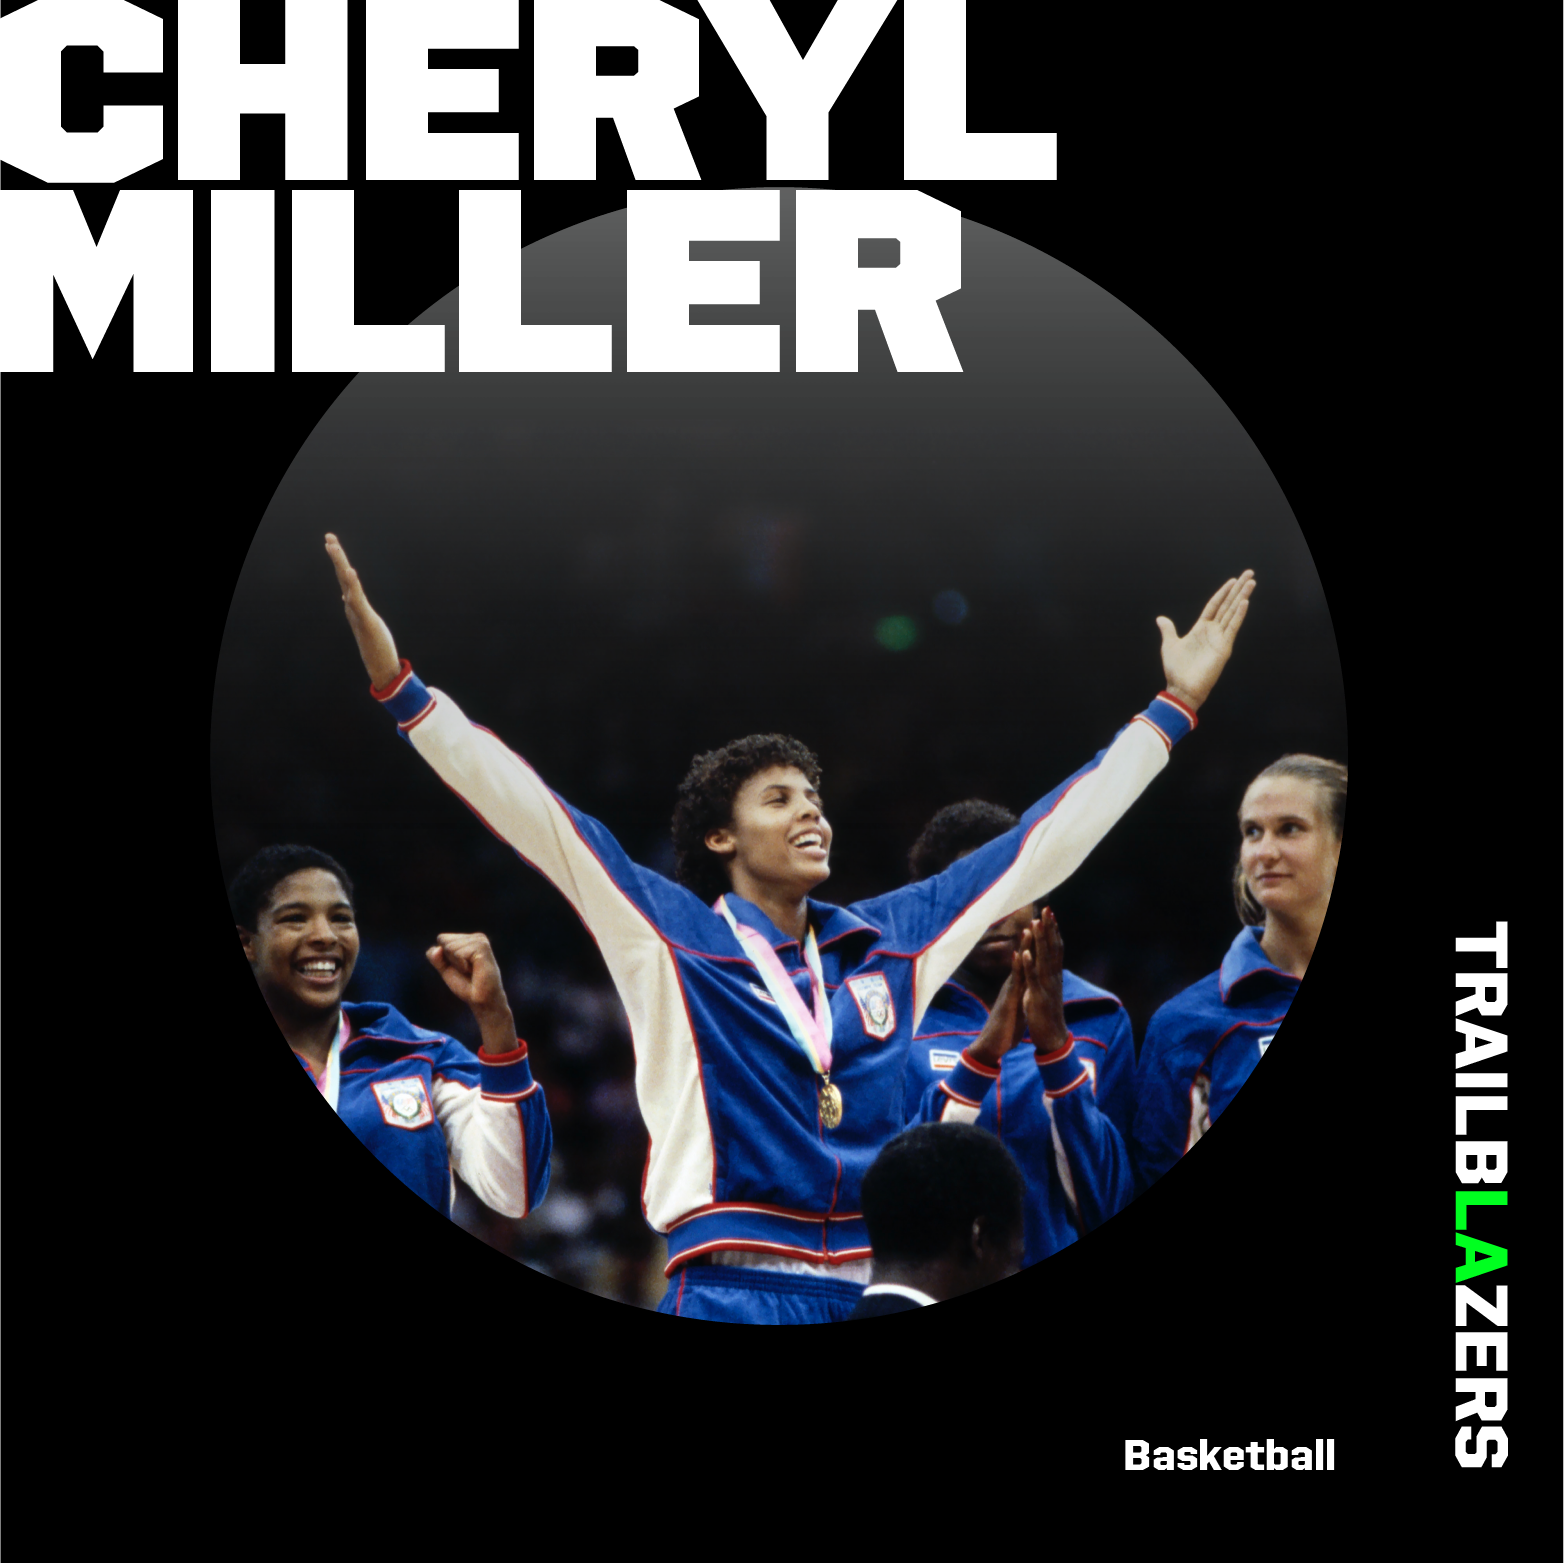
[1203,1044]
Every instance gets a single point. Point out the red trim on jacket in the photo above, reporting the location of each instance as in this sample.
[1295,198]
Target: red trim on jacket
[750,1245]
[514,1056]
[1065,1090]
[387,691]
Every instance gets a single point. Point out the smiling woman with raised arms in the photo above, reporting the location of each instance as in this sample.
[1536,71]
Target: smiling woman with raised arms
[1203,1044]
[771,1029]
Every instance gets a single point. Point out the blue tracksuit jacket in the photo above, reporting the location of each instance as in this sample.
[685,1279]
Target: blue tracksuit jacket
[1052,1113]
[1096,1018]
[738,1157]
[427,1106]
[1200,1047]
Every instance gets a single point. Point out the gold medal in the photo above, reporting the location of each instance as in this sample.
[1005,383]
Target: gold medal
[830,1105]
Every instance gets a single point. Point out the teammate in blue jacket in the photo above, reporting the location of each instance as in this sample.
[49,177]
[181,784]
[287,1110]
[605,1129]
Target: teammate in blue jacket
[1063,1108]
[960,1011]
[1203,1044]
[419,1100]
[770,1029]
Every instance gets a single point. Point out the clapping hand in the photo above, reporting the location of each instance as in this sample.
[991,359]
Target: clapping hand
[1002,1030]
[1040,973]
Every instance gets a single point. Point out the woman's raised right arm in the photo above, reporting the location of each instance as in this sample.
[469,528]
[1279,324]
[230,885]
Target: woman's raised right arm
[638,918]
[372,633]
[628,908]
[496,784]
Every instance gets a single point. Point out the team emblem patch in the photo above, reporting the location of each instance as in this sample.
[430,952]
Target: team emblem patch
[404,1104]
[872,995]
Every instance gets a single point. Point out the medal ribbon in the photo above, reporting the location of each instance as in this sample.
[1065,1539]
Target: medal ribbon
[812,1032]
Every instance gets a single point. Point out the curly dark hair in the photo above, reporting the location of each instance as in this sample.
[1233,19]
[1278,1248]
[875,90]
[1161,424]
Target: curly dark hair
[252,886]
[957,829]
[929,1184]
[1329,778]
[706,802]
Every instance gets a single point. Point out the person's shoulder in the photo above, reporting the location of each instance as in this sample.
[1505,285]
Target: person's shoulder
[1188,1013]
[953,1003]
[1248,977]
[677,913]
[921,908]
[1087,997]
[384,1022]
[882,1303]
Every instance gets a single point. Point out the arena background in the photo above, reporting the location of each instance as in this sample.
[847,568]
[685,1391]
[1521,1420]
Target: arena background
[945,584]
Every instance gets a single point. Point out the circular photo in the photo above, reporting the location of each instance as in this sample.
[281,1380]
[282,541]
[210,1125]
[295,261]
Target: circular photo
[783,847]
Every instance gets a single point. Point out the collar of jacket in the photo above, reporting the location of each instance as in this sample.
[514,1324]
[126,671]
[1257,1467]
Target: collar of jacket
[382,1023]
[831,923]
[1247,966]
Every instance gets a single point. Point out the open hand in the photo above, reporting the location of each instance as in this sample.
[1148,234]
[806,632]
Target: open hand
[1192,663]
[372,633]
[1041,960]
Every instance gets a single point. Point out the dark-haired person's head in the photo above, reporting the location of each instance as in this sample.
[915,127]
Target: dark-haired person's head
[960,828]
[749,814]
[944,1205]
[294,909]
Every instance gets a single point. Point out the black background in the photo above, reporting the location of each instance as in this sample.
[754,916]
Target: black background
[1283,1284]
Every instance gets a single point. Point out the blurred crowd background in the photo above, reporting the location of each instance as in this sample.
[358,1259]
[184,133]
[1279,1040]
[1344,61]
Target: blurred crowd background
[945,584]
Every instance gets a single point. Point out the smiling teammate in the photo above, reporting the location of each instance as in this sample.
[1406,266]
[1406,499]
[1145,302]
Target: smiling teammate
[771,1029]
[418,1099]
[1202,1045]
